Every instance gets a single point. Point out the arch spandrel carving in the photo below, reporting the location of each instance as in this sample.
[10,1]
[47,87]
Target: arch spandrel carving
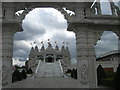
[117,32]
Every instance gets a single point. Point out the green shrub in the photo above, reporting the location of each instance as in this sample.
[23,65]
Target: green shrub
[16,76]
[29,71]
[107,82]
[23,74]
[74,73]
[117,78]
[100,74]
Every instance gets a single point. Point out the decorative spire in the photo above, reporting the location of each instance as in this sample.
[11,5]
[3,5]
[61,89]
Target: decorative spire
[36,47]
[42,43]
[42,48]
[67,51]
[55,42]
[63,50]
[63,42]
[31,51]
[31,45]
[56,47]
[63,45]
[49,44]
[66,44]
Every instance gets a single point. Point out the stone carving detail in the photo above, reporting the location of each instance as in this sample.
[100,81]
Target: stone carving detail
[115,10]
[84,74]
[4,74]
[22,16]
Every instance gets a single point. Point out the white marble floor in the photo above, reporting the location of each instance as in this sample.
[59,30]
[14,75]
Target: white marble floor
[49,83]
[46,83]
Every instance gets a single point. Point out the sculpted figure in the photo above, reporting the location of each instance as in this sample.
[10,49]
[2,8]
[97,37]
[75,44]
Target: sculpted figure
[84,74]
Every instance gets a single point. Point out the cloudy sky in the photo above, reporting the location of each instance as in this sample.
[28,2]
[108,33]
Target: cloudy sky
[42,24]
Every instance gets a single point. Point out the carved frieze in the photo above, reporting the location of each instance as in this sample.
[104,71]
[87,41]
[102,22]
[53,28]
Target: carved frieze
[84,74]
[4,74]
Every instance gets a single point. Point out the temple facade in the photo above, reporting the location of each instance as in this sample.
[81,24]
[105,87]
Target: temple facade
[109,61]
[46,60]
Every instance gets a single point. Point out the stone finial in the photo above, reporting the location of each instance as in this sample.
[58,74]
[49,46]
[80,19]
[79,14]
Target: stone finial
[42,48]
[67,51]
[63,51]
[31,52]
[114,9]
[56,47]
[36,49]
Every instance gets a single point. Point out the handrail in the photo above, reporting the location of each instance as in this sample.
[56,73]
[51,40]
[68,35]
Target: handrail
[60,66]
[38,66]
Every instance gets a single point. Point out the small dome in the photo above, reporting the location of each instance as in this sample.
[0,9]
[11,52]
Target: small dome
[58,53]
[49,50]
[41,53]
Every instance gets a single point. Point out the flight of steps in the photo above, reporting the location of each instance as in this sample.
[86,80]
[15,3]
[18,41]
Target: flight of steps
[49,70]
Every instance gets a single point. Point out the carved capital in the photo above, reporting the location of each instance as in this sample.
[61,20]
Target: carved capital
[98,35]
[117,32]
[22,16]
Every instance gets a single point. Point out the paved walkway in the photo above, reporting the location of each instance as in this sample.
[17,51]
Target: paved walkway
[49,83]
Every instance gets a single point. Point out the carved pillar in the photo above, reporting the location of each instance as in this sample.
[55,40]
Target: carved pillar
[117,31]
[9,28]
[98,7]
[0,45]
[9,11]
[8,31]
[113,7]
[79,13]
[86,39]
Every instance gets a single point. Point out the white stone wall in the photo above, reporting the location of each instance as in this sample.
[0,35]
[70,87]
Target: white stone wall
[0,45]
[7,53]
[85,41]
[109,64]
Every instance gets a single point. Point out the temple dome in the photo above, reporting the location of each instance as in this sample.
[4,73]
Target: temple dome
[58,53]
[41,53]
[49,50]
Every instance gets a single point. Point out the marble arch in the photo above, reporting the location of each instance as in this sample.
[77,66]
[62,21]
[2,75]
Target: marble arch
[87,25]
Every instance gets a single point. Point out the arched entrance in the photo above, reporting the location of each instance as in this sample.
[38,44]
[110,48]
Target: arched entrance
[107,56]
[49,59]
[85,24]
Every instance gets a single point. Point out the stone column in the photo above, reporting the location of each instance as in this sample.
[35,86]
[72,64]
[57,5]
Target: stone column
[8,31]
[54,58]
[9,27]
[112,5]
[44,58]
[117,32]
[86,59]
[7,52]
[1,45]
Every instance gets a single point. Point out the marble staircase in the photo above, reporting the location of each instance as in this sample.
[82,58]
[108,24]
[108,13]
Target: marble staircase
[49,70]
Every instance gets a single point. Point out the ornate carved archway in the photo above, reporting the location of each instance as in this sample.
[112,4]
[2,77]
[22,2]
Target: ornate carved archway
[87,25]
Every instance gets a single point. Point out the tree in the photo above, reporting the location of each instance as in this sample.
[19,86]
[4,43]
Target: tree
[16,75]
[100,74]
[117,78]
[74,73]
[23,74]
[29,71]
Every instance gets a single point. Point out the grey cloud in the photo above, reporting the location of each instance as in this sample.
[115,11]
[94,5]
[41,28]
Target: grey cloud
[20,49]
[108,42]
[31,29]
[48,19]
[71,42]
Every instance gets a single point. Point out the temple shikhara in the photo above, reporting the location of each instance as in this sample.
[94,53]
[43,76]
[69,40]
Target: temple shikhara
[50,61]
